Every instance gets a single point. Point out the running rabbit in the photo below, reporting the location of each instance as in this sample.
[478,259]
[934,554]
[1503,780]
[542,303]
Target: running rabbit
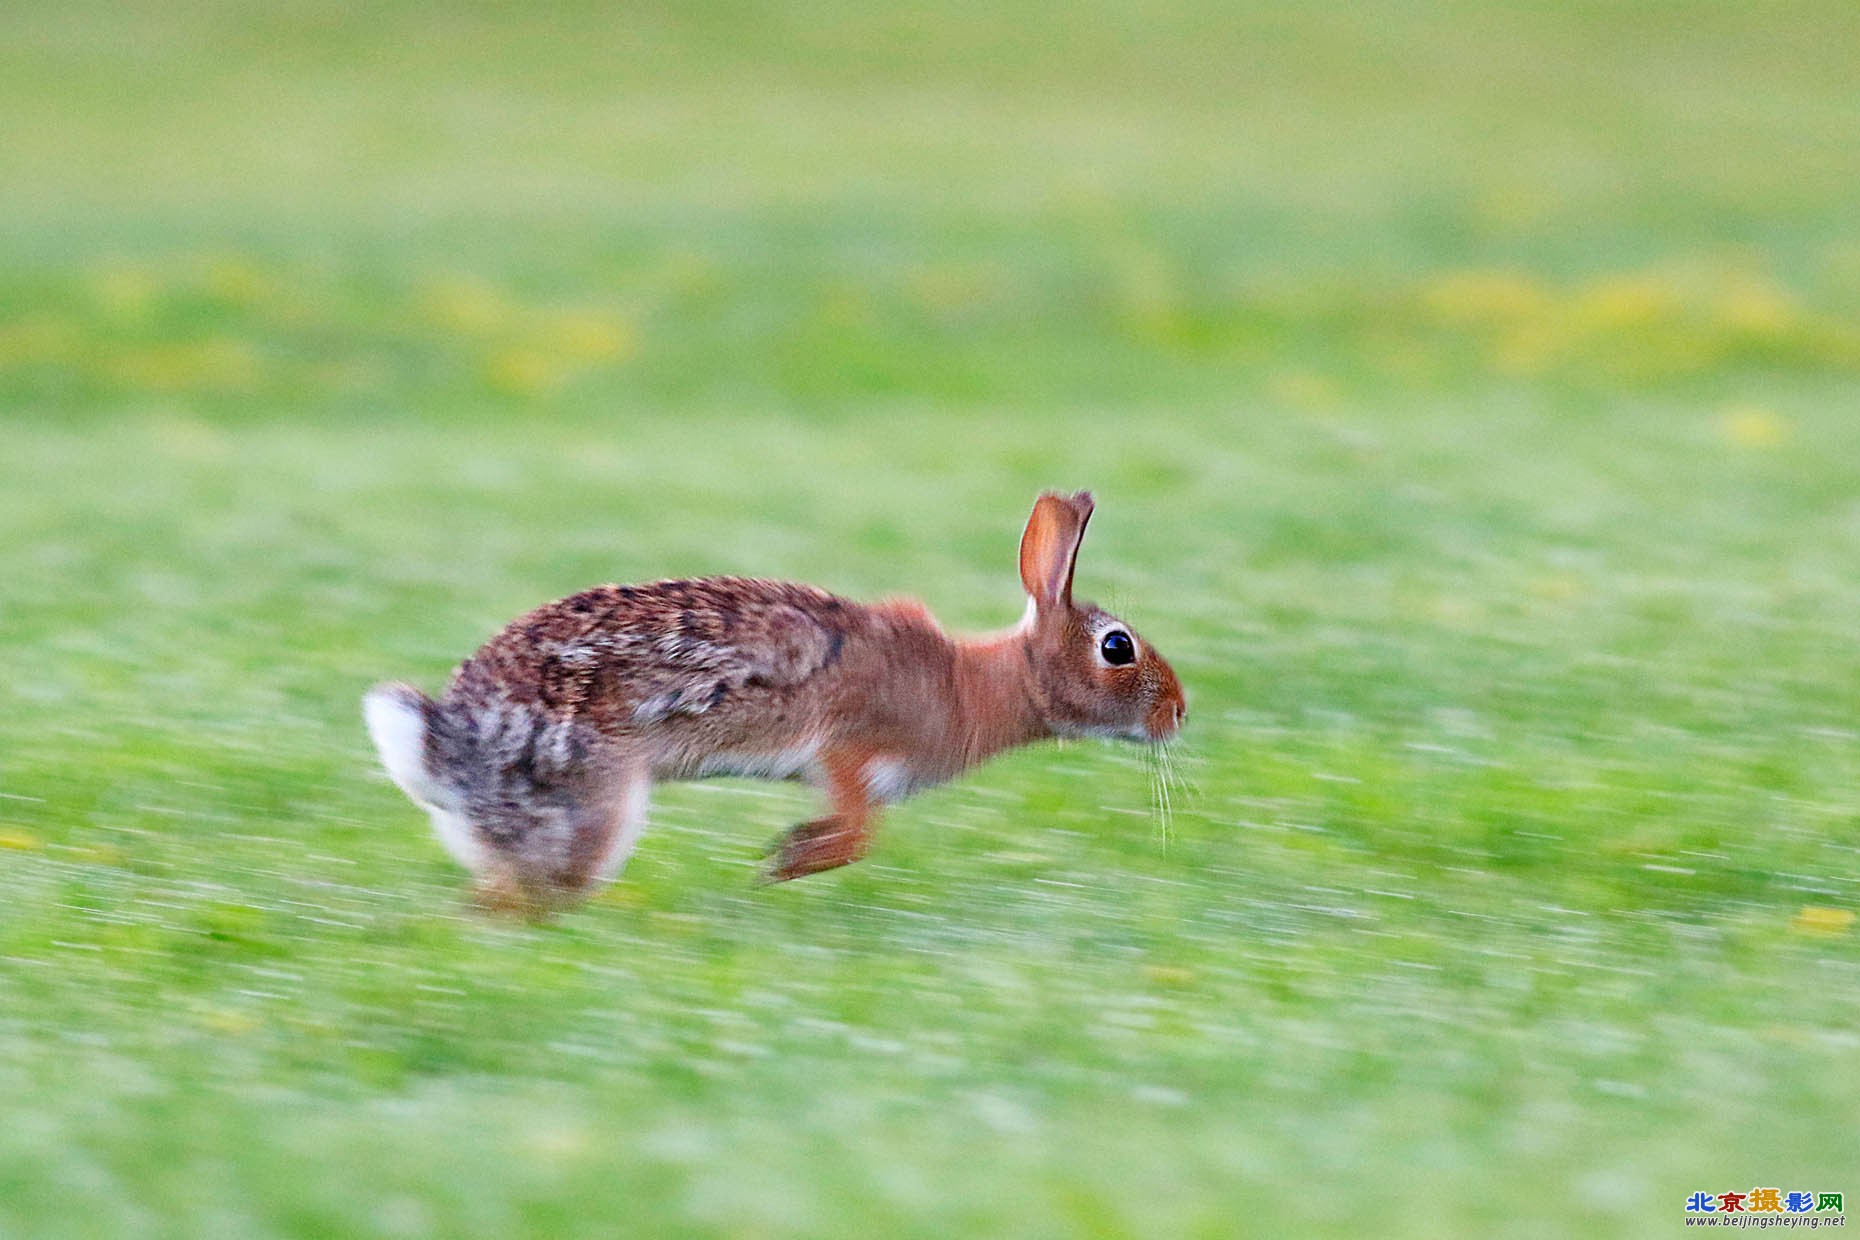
[537,763]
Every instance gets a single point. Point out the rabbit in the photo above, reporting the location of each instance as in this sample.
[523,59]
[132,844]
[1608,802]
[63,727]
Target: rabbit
[537,762]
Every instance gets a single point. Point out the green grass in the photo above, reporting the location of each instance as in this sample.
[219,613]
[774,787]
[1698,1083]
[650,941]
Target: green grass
[1471,396]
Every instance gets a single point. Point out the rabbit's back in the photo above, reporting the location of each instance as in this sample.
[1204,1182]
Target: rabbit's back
[664,662]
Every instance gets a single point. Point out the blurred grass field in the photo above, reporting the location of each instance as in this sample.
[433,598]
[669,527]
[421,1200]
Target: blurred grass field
[1470,392]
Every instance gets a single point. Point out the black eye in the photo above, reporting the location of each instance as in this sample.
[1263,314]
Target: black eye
[1117,648]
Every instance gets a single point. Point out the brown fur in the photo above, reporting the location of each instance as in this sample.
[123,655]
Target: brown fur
[547,738]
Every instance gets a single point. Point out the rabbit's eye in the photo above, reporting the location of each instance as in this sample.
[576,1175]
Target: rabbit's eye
[1117,648]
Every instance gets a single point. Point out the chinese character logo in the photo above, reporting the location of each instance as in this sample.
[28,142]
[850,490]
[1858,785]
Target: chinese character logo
[1766,1201]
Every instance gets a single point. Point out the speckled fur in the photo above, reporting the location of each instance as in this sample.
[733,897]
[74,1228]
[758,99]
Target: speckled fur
[547,739]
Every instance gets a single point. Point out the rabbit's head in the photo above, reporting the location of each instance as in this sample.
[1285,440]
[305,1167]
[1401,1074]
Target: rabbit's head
[1095,676]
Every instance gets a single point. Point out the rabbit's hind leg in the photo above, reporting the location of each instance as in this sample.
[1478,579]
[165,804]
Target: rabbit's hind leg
[528,852]
[498,875]
[499,887]
[605,830]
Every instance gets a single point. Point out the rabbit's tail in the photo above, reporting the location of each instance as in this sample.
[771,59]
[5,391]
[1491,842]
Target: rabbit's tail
[401,720]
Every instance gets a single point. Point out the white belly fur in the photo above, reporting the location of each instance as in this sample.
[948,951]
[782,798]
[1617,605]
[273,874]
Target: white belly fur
[889,779]
[791,763]
[886,779]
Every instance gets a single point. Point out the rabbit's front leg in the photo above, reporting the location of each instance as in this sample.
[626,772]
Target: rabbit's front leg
[840,838]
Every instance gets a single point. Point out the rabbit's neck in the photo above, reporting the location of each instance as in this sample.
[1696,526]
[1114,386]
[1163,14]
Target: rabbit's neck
[995,698]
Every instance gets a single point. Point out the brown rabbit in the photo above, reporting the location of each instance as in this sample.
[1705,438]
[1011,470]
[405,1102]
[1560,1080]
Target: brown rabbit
[537,763]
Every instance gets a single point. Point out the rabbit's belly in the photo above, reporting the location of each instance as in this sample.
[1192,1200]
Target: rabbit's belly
[794,762]
[890,779]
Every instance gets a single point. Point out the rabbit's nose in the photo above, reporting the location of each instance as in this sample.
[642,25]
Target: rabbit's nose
[1165,717]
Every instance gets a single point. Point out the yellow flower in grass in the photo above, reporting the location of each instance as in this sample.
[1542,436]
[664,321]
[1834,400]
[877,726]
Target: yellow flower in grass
[1305,390]
[1819,920]
[1755,309]
[36,339]
[1752,426]
[1529,347]
[123,289]
[1557,588]
[554,347]
[1621,302]
[523,369]
[229,1021]
[234,279]
[624,895]
[99,854]
[1476,298]
[217,363]
[845,304]
[589,337]
[470,307]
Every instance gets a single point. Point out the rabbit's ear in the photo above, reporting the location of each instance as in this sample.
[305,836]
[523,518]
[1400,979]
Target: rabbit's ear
[1050,547]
